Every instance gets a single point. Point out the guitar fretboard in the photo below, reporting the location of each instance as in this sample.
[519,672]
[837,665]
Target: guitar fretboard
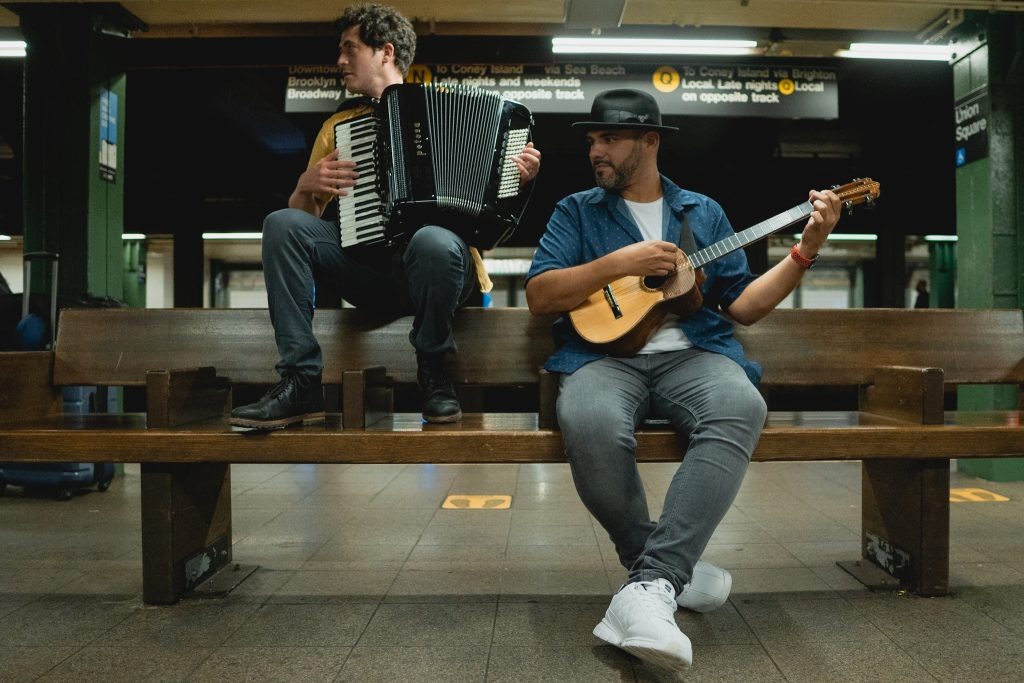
[751,234]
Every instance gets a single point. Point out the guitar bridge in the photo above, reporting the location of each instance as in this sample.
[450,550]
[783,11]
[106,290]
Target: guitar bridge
[612,303]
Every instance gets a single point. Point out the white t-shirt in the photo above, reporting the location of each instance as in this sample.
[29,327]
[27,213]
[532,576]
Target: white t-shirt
[669,337]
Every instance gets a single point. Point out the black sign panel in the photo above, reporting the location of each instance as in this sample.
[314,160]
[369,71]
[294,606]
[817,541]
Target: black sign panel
[692,88]
[971,117]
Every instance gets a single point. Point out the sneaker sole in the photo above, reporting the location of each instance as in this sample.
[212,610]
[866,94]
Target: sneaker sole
[308,418]
[607,634]
[443,419]
[644,650]
[649,653]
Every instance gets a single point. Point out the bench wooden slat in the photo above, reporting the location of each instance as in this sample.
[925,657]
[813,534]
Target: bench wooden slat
[116,347]
[841,348]
[499,437]
[505,346]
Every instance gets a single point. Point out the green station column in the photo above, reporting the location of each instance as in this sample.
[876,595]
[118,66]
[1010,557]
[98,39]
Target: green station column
[74,141]
[988,81]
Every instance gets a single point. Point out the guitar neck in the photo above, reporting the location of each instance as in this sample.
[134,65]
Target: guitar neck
[750,235]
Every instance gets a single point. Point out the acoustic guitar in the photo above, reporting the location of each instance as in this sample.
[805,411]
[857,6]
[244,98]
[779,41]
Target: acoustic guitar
[620,317]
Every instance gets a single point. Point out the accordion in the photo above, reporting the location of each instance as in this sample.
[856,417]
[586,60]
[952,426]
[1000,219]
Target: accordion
[434,154]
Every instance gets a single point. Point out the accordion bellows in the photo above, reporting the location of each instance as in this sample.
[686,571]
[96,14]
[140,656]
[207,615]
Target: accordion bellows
[434,154]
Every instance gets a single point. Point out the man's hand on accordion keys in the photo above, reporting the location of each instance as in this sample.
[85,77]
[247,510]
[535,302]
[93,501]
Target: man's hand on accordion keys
[330,176]
[528,162]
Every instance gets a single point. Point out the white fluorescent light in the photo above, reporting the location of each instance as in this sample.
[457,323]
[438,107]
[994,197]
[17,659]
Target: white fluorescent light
[5,238]
[940,238]
[651,46]
[232,235]
[133,236]
[12,48]
[848,237]
[939,53]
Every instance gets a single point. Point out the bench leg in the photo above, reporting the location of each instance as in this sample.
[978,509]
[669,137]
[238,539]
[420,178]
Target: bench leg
[905,521]
[186,527]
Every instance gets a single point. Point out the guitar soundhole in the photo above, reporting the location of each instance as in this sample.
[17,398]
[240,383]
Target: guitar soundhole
[654,281]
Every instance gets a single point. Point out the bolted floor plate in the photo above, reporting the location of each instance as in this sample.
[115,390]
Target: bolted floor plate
[222,582]
[870,575]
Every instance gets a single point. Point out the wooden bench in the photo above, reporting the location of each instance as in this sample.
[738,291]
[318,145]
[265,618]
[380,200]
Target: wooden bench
[898,366]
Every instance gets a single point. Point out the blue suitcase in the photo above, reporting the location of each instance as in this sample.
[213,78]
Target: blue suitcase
[64,478]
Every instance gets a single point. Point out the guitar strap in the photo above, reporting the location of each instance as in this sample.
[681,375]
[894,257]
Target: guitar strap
[686,241]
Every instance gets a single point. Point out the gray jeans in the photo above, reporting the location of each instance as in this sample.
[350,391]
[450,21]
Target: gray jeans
[705,396]
[300,249]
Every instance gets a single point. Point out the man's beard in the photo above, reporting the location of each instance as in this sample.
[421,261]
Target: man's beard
[621,175]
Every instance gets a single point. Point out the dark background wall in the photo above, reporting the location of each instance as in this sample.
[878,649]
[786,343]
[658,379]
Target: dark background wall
[209,146]
[10,145]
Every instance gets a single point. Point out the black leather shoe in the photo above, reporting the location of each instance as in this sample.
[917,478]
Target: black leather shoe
[440,404]
[296,398]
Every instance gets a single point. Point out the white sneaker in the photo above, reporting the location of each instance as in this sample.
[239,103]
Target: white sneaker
[640,621]
[708,588]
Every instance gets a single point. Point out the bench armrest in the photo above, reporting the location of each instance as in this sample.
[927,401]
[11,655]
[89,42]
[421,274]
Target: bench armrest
[27,391]
[367,396]
[178,397]
[905,393]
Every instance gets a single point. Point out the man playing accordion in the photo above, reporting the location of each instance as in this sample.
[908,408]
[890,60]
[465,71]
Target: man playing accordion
[429,276]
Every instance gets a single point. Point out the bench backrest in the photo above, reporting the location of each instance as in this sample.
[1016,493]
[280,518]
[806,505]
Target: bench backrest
[505,346]
[842,347]
[116,347]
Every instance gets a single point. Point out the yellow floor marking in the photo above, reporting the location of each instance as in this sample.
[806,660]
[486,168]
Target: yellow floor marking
[975,496]
[477,502]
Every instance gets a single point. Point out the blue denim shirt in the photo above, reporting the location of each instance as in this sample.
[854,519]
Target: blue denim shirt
[587,225]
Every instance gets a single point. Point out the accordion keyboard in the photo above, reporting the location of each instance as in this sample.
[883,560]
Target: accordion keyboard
[360,212]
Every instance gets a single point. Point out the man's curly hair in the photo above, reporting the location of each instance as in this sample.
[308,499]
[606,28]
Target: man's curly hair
[380,24]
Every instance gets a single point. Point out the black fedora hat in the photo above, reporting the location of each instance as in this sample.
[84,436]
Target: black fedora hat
[625,108]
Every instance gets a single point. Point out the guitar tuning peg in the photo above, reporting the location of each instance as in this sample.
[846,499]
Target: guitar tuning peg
[848,205]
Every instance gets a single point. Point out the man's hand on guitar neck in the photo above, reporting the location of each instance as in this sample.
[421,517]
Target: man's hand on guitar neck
[766,292]
[827,208]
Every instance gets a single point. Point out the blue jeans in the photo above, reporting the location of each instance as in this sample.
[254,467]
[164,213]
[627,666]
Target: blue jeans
[704,396]
[435,276]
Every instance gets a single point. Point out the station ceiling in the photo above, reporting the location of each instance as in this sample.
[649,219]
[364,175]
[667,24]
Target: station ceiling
[221,18]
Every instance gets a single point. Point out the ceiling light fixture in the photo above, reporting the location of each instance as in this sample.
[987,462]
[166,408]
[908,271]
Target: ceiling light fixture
[937,53]
[232,235]
[652,46]
[12,48]
[847,237]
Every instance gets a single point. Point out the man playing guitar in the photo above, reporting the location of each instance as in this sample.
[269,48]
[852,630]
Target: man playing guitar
[691,371]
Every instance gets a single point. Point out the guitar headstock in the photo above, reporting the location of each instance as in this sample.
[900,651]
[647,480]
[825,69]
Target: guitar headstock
[858,191]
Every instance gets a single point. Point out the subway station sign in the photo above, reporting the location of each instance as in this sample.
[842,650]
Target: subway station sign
[970,115]
[313,88]
[688,88]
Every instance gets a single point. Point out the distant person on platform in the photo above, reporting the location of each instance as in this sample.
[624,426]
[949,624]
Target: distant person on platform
[429,277]
[922,300]
[691,371]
